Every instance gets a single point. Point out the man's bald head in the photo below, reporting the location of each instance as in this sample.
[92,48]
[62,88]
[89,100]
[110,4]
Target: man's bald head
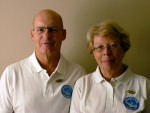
[48,13]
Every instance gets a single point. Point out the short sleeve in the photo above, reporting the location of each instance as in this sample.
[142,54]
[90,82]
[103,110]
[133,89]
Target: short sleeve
[5,93]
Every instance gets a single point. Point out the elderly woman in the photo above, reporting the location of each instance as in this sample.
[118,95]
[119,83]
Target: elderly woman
[113,87]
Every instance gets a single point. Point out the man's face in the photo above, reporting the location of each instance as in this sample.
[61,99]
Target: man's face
[47,34]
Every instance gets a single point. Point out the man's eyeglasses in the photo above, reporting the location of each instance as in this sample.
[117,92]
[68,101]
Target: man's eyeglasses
[41,30]
[111,47]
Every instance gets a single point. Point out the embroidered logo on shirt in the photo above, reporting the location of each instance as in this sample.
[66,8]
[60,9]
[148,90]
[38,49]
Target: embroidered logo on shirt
[66,91]
[131,103]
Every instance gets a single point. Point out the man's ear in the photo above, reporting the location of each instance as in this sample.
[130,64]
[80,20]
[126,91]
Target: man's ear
[64,34]
[31,34]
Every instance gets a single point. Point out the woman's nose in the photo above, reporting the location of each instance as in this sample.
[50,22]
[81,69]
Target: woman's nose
[106,51]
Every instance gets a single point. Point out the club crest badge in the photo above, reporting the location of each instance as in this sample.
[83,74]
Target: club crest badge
[131,103]
[66,91]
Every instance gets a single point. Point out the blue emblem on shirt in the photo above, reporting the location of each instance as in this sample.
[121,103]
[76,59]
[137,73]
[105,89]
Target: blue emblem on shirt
[131,103]
[66,91]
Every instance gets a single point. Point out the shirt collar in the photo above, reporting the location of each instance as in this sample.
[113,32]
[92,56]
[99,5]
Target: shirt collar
[124,78]
[36,67]
[97,76]
[61,67]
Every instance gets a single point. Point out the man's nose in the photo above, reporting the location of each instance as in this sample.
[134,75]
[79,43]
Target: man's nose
[47,33]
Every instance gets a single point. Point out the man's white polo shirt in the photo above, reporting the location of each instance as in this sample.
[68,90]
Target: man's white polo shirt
[129,93]
[26,88]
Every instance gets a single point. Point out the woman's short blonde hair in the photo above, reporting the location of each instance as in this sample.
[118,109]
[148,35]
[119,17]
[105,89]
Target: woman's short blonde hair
[108,28]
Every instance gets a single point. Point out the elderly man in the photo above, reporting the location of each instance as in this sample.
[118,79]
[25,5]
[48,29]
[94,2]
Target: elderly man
[43,82]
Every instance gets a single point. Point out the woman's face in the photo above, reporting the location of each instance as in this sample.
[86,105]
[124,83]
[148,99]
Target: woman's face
[108,52]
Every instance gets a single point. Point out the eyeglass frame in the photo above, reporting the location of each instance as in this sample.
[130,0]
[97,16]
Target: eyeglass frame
[111,47]
[41,30]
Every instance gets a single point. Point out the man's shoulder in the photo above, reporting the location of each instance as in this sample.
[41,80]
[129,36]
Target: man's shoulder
[18,64]
[71,65]
[77,66]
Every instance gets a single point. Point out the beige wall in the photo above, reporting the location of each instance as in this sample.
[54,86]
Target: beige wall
[78,15]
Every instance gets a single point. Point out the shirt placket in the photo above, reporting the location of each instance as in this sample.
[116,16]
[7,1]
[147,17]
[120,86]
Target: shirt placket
[47,88]
[109,98]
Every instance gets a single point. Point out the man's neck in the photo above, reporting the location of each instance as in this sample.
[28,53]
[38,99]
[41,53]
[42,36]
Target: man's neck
[48,62]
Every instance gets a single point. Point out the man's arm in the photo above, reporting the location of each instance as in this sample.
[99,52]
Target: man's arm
[5,93]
